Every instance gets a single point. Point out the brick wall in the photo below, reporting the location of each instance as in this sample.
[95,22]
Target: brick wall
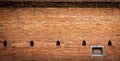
[45,26]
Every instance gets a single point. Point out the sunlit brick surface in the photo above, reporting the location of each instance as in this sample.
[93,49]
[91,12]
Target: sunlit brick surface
[18,26]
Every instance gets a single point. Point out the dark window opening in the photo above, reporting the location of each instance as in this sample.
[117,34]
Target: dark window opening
[84,43]
[31,43]
[5,43]
[58,43]
[109,43]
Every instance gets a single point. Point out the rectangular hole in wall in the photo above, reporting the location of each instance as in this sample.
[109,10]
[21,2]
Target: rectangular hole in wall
[97,50]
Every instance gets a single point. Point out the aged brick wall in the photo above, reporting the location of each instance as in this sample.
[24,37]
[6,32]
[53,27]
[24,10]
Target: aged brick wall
[18,26]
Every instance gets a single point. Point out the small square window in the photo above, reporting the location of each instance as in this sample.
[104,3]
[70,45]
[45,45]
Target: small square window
[97,50]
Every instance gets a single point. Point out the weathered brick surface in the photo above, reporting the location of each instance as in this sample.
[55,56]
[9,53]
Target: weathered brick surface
[18,26]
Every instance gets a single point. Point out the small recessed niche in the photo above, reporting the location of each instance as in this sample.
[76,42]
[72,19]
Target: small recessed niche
[58,43]
[31,43]
[97,50]
[5,43]
[109,43]
[84,43]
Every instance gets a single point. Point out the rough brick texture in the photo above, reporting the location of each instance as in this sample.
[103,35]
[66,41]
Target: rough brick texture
[18,26]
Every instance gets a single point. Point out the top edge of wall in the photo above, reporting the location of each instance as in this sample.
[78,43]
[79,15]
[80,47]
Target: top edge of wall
[63,0]
[18,4]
